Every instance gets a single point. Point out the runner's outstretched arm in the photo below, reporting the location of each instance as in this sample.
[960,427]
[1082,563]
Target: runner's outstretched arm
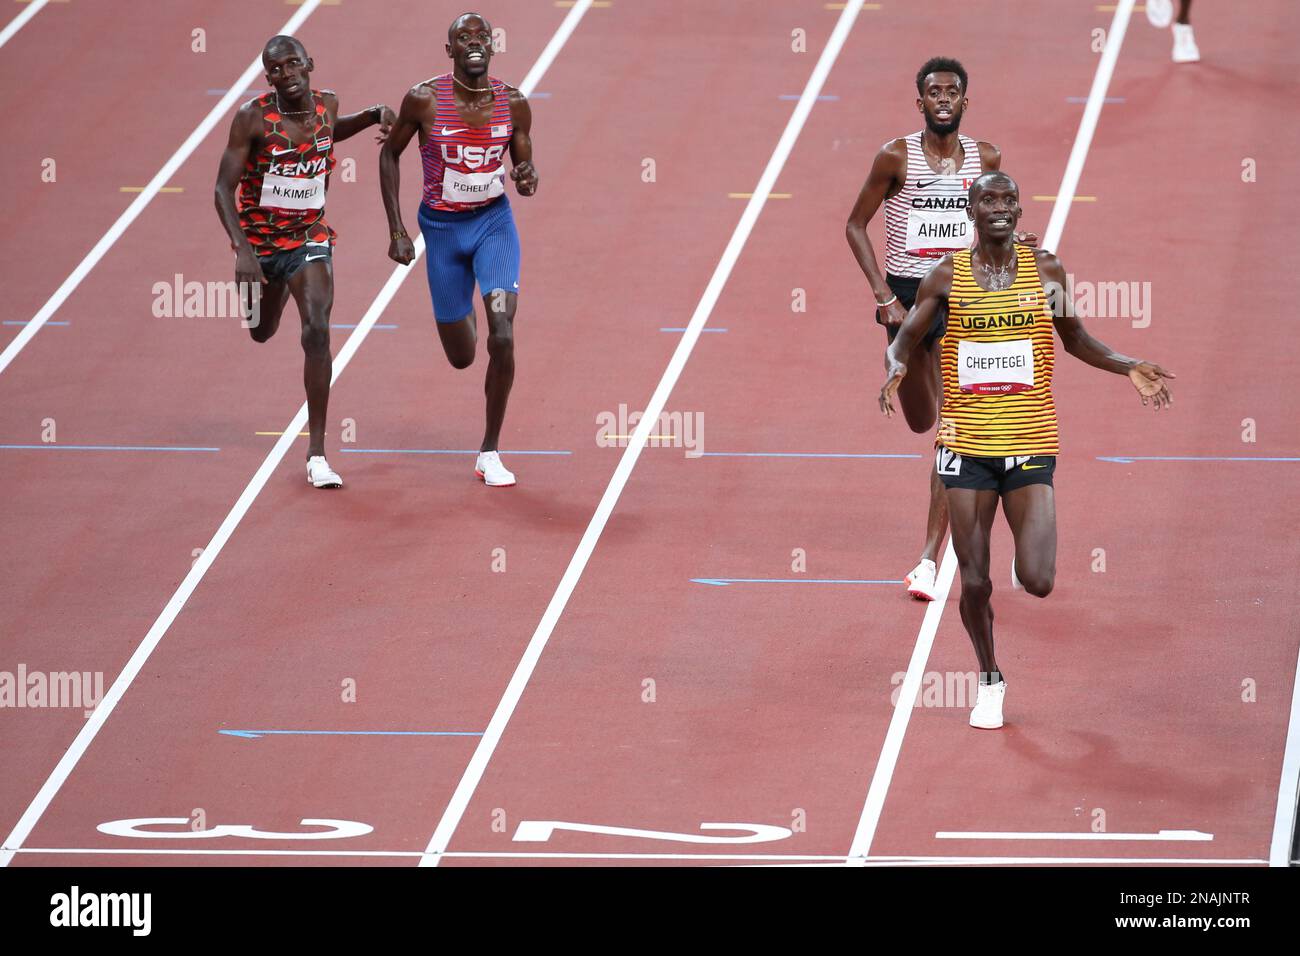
[930,298]
[345,127]
[415,104]
[1147,377]
[238,148]
[521,144]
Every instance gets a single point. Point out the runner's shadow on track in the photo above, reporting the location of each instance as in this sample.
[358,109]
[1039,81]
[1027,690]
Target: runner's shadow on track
[1102,764]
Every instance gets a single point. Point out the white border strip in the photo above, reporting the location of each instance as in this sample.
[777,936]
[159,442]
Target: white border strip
[1288,790]
[1173,836]
[160,179]
[101,713]
[884,772]
[20,21]
[734,857]
[523,672]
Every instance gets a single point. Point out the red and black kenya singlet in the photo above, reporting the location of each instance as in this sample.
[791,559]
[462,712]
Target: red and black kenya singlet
[282,193]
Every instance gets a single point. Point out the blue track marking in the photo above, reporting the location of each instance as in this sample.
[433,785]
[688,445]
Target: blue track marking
[55,445]
[1129,459]
[25,322]
[796,454]
[441,451]
[723,582]
[256,734]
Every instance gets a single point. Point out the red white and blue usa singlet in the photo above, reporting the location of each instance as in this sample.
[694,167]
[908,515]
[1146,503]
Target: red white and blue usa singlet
[281,197]
[464,166]
[926,219]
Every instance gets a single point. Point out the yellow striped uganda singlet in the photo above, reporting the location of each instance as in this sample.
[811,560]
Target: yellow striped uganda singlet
[997,357]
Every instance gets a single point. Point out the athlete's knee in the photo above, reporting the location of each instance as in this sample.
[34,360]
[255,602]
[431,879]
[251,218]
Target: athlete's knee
[976,587]
[316,336]
[262,331]
[501,343]
[1038,582]
[461,359]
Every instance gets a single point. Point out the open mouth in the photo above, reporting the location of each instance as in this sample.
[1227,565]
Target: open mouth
[1000,221]
[475,56]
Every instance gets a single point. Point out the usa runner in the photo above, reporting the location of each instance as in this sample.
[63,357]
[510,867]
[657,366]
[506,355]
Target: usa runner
[467,122]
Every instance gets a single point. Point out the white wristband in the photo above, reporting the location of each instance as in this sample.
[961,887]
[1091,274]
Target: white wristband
[881,305]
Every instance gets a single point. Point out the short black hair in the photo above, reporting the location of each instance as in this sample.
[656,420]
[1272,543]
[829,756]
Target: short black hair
[452,29]
[983,179]
[283,40]
[940,64]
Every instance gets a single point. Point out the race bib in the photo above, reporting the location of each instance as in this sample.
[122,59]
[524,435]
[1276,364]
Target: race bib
[292,192]
[995,368]
[473,187]
[932,233]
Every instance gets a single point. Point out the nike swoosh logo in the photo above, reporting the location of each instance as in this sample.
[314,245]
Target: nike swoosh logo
[281,152]
[967,305]
[921,185]
[449,132]
[314,258]
[1028,467]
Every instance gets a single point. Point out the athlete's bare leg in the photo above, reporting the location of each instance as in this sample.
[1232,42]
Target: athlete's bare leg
[265,317]
[459,342]
[499,306]
[936,522]
[972,514]
[917,393]
[1031,513]
[312,288]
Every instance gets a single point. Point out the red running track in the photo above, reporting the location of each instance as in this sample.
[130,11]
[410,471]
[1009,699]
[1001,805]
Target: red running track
[771,701]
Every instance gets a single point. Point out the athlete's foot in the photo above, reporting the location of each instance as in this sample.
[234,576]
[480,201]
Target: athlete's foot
[1185,50]
[494,474]
[987,714]
[1160,13]
[920,581]
[320,474]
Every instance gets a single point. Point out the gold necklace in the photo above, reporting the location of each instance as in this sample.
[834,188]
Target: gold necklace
[290,112]
[473,89]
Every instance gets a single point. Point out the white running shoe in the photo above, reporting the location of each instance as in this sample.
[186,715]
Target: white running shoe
[920,581]
[1160,13]
[1185,50]
[987,714]
[320,474]
[1015,581]
[488,467]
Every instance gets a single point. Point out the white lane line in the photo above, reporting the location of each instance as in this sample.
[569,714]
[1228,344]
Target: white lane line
[759,857]
[23,828]
[1176,836]
[649,420]
[101,713]
[1288,790]
[160,179]
[884,772]
[20,21]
